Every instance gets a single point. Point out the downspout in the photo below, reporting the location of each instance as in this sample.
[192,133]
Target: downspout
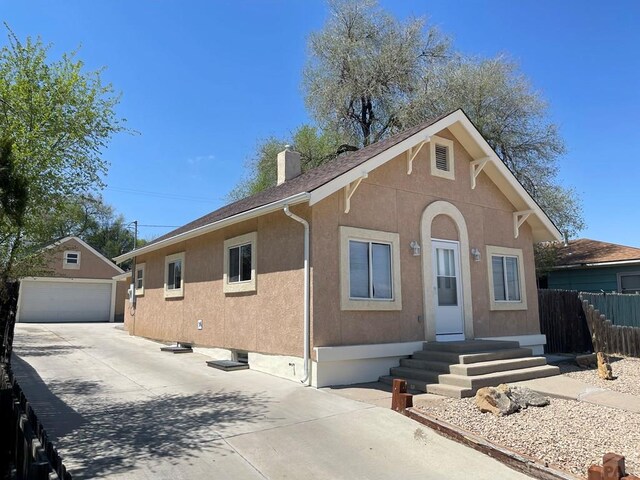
[306,291]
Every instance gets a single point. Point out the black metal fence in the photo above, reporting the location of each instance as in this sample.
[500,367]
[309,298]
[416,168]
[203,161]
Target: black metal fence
[563,321]
[8,306]
[26,453]
[24,443]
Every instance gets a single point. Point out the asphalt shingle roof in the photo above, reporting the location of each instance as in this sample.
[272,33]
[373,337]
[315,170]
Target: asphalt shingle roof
[307,182]
[585,250]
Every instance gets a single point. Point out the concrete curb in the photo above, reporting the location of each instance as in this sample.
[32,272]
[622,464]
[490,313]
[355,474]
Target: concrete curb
[517,461]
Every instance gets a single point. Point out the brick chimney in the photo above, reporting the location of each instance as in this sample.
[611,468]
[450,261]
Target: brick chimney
[288,165]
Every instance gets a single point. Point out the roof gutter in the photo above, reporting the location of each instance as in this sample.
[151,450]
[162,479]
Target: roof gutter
[598,264]
[196,232]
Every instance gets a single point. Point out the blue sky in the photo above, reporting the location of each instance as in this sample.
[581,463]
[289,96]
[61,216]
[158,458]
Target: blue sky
[204,81]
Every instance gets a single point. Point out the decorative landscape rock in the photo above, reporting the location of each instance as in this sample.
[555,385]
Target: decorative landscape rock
[505,400]
[493,400]
[604,367]
[525,397]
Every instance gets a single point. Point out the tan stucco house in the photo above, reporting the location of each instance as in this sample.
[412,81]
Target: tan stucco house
[78,286]
[424,236]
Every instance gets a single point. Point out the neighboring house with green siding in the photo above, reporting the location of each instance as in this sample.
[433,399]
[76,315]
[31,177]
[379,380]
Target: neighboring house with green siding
[592,266]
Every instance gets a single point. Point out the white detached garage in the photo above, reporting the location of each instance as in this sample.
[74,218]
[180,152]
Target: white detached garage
[81,287]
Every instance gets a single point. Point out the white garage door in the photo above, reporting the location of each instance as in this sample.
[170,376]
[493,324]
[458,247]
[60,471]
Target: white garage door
[54,301]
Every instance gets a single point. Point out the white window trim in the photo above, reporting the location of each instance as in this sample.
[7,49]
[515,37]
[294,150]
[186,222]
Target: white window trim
[141,266]
[625,274]
[347,303]
[506,304]
[71,266]
[435,171]
[247,285]
[174,292]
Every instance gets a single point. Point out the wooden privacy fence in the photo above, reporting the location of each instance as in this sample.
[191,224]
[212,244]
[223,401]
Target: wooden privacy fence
[610,338]
[620,308]
[24,442]
[562,320]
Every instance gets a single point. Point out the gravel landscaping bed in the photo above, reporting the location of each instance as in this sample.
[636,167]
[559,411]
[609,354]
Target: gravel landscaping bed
[567,434]
[627,369]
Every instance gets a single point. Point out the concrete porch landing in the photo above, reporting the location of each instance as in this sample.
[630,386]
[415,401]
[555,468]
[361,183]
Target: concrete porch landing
[458,369]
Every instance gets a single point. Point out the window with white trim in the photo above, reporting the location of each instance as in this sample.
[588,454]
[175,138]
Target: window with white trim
[506,278]
[370,270]
[174,275]
[240,263]
[71,260]
[139,278]
[442,158]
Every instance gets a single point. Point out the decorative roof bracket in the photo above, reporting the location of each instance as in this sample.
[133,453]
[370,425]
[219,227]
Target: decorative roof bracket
[350,189]
[518,219]
[476,168]
[412,153]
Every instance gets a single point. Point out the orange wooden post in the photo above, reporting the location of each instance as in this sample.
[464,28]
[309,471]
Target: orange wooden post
[613,466]
[400,399]
[595,472]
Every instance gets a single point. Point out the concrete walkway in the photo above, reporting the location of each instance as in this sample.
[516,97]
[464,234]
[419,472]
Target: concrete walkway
[571,389]
[117,407]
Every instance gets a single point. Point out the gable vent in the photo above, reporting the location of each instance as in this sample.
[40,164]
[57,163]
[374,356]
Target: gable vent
[442,158]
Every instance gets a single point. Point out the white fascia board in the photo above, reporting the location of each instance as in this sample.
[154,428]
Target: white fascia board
[196,232]
[121,277]
[88,247]
[68,280]
[598,264]
[506,173]
[355,173]
[392,152]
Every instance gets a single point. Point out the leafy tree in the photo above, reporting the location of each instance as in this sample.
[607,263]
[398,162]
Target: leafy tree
[370,76]
[315,148]
[13,203]
[365,68]
[513,119]
[58,118]
[98,224]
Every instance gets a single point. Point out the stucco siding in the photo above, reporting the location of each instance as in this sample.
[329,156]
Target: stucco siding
[390,200]
[91,266]
[269,320]
[121,300]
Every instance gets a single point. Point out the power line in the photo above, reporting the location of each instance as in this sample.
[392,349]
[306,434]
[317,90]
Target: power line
[159,226]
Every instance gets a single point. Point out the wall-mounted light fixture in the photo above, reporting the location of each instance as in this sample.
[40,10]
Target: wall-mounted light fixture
[475,253]
[416,248]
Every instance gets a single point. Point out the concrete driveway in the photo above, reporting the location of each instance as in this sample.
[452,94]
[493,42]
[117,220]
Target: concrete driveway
[119,408]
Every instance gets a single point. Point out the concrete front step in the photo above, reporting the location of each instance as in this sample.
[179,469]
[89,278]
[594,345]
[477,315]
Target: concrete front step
[412,383]
[493,379]
[483,368]
[449,390]
[415,373]
[432,365]
[455,358]
[469,346]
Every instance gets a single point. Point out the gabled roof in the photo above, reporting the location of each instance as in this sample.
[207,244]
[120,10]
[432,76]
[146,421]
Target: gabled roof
[587,252]
[317,184]
[57,243]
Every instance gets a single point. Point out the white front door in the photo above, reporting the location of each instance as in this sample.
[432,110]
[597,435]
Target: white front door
[447,290]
